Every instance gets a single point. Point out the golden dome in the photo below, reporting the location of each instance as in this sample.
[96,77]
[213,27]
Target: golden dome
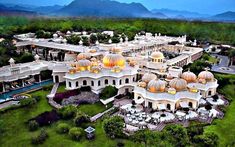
[178,84]
[206,75]
[148,77]
[83,56]
[156,85]
[190,77]
[157,55]
[142,84]
[84,64]
[112,60]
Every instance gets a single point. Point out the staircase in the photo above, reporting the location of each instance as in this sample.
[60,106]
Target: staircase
[53,91]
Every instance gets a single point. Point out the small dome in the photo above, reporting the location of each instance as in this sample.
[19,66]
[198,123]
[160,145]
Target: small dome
[178,84]
[92,51]
[148,77]
[169,77]
[171,91]
[83,56]
[55,35]
[156,85]
[142,84]
[111,60]
[190,77]
[84,63]
[206,75]
[157,55]
[116,69]
[95,69]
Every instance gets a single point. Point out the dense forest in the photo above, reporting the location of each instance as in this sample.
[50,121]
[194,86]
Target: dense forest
[203,31]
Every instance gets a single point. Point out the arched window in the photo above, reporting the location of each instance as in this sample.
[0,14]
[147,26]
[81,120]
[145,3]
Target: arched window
[92,83]
[190,104]
[127,81]
[114,82]
[70,84]
[209,93]
[168,106]
[98,83]
[77,84]
[120,82]
[139,97]
[84,83]
[106,81]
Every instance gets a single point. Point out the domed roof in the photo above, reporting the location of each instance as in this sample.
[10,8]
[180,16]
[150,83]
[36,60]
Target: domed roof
[189,76]
[157,55]
[148,77]
[206,75]
[111,60]
[142,84]
[83,56]
[84,63]
[178,84]
[156,85]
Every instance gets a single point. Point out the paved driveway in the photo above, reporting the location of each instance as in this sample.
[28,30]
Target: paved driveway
[223,67]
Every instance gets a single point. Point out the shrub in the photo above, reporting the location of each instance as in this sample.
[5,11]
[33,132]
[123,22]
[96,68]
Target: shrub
[108,92]
[47,118]
[62,128]
[27,102]
[64,95]
[113,127]
[33,125]
[207,139]
[68,112]
[84,89]
[39,139]
[80,119]
[76,133]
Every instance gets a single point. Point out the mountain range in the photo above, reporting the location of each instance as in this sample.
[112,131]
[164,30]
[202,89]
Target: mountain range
[109,8]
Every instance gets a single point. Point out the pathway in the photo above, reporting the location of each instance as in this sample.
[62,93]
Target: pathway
[51,96]
[223,66]
[99,115]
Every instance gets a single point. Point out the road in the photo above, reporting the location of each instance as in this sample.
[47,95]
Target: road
[223,66]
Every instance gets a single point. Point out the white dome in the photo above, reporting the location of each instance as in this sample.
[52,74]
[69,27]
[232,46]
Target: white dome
[148,77]
[111,60]
[84,63]
[156,85]
[206,75]
[178,84]
[83,56]
[157,55]
[189,76]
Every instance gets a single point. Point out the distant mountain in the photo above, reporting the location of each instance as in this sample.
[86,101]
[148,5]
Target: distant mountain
[180,14]
[226,16]
[105,8]
[9,11]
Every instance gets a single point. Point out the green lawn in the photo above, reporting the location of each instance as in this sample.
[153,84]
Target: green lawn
[17,134]
[225,128]
[61,88]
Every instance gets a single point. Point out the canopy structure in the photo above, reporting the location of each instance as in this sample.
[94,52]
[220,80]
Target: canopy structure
[184,105]
[89,130]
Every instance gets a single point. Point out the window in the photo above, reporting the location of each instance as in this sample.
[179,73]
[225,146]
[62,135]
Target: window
[190,104]
[114,82]
[92,83]
[70,84]
[98,83]
[127,80]
[84,83]
[209,93]
[120,82]
[168,106]
[76,84]
[133,79]
[106,82]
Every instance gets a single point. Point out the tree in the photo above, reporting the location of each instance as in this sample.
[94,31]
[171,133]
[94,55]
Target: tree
[93,39]
[113,127]
[28,102]
[33,125]
[40,138]
[80,119]
[26,57]
[108,92]
[208,139]
[178,133]
[76,133]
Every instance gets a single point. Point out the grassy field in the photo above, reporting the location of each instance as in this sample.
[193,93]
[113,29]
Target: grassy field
[225,128]
[17,133]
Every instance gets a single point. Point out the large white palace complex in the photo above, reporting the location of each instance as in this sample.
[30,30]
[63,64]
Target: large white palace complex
[149,67]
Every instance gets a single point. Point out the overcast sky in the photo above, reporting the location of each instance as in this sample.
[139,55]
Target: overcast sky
[201,6]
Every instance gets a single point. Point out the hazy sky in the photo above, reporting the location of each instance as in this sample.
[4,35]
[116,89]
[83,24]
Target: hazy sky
[201,6]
